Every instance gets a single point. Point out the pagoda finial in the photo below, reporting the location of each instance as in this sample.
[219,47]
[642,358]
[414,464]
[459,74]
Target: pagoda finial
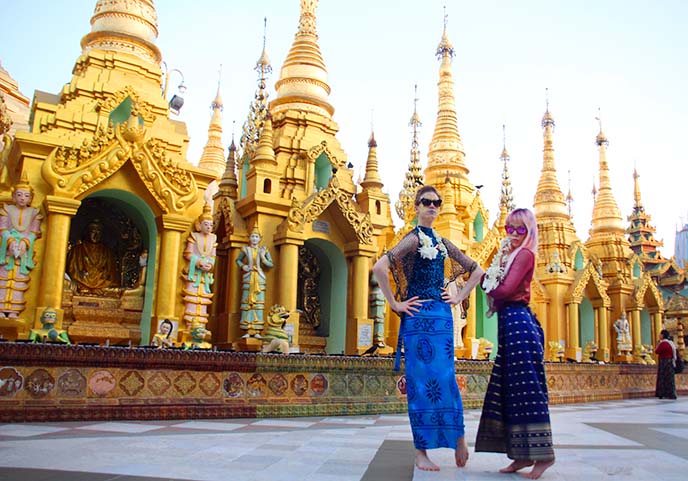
[601,138]
[507,198]
[414,174]
[213,157]
[638,205]
[549,199]
[569,197]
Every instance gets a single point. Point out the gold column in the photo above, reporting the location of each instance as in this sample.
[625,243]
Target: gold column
[169,275]
[60,212]
[360,267]
[635,330]
[573,350]
[603,347]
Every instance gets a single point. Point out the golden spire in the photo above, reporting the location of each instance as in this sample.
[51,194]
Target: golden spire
[303,78]
[213,153]
[549,200]
[129,26]
[638,204]
[569,198]
[507,198]
[372,179]
[606,216]
[258,110]
[229,183]
[446,148]
[414,174]
[265,154]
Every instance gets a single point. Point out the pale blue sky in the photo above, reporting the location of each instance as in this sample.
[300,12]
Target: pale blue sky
[626,57]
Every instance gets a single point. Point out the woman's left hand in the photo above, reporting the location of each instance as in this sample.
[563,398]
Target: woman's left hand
[452,299]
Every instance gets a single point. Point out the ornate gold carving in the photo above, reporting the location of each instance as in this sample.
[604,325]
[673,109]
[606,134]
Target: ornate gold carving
[113,101]
[5,119]
[641,287]
[583,278]
[71,171]
[299,214]
[314,153]
[223,216]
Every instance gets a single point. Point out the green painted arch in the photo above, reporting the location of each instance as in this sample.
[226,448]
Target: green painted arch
[144,219]
[479,227]
[323,171]
[636,270]
[645,327]
[586,322]
[578,261]
[332,291]
[122,112]
[485,326]
[243,172]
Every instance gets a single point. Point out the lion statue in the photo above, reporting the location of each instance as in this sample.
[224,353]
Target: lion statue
[484,349]
[589,352]
[556,351]
[275,338]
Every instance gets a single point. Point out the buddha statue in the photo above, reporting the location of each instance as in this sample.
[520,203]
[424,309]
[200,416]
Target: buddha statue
[91,265]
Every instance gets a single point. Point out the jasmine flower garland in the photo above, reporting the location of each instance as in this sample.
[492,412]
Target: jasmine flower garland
[427,250]
[495,273]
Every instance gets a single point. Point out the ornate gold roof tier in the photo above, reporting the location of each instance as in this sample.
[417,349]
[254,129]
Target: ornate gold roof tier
[303,78]
[129,26]
[16,104]
[641,233]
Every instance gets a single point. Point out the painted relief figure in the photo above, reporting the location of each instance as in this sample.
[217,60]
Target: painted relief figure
[198,274]
[20,226]
[252,259]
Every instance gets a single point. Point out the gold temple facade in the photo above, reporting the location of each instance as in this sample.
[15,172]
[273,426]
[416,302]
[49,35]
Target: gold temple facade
[105,149]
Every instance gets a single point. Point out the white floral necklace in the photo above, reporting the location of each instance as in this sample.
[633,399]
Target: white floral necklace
[427,249]
[495,273]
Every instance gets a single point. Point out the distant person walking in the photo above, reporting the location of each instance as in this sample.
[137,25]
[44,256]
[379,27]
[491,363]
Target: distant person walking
[666,378]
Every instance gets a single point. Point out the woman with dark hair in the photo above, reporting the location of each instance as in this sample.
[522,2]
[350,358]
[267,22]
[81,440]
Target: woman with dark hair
[515,418]
[666,351]
[423,263]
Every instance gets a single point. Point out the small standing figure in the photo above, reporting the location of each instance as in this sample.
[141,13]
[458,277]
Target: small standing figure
[198,274]
[163,338]
[376,307]
[623,334]
[20,226]
[252,259]
[47,332]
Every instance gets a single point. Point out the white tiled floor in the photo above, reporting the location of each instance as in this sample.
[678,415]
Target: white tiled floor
[594,441]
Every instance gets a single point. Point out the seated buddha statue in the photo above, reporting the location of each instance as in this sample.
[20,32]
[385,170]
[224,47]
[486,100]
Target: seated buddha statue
[91,265]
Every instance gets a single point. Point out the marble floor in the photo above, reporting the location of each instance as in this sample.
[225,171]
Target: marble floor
[619,440]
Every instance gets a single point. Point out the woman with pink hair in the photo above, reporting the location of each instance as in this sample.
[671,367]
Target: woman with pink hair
[515,418]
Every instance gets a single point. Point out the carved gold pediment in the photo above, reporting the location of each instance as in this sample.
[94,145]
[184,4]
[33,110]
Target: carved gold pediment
[314,152]
[641,286]
[301,214]
[483,250]
[73,171]
[583,278]
[112,102]
[223,216]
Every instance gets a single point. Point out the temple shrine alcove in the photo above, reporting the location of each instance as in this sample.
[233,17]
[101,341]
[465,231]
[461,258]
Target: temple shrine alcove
[107,296]
[321,298]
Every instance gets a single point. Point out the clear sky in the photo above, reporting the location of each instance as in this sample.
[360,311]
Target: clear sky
[625,57]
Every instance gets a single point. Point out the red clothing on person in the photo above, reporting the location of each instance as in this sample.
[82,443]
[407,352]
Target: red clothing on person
[664,350]
[515,287]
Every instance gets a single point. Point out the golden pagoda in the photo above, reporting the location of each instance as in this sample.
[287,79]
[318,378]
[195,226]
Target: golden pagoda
[108,168]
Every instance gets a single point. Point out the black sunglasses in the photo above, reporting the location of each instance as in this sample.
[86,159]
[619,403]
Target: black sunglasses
[429,202]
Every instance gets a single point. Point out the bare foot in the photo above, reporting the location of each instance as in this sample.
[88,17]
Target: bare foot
[516,465]
[538,469]
[423,462]
[461,453]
